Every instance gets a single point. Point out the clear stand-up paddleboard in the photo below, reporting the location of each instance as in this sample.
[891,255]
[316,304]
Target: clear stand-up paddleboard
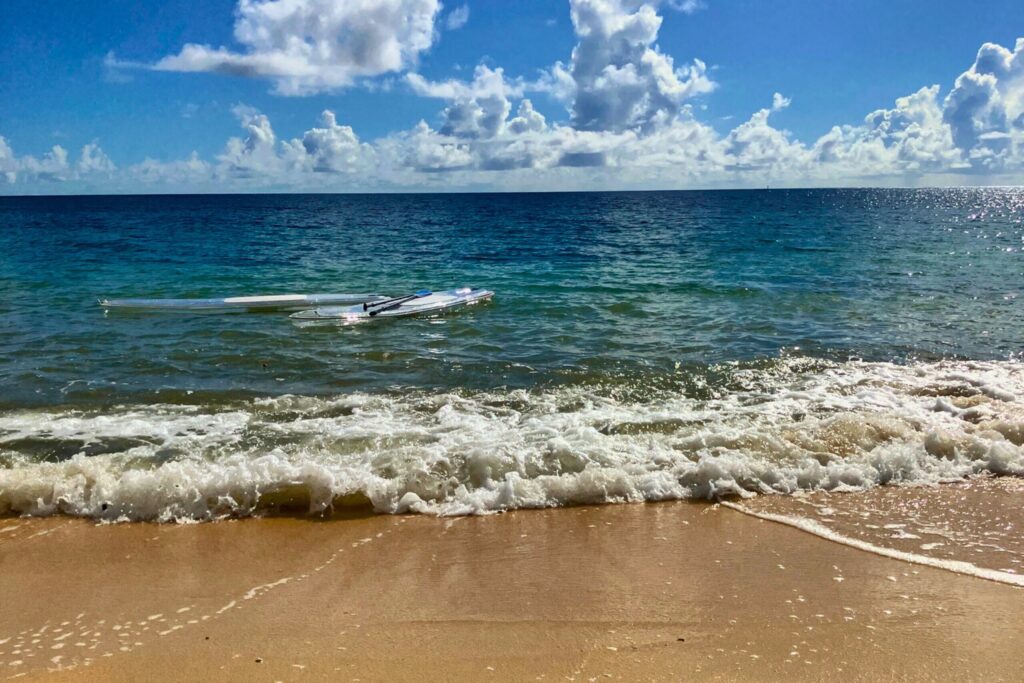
[273,302]
[413,304]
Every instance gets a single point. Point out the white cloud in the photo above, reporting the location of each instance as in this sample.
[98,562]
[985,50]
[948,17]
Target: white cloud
[94,160]
[756,146]
[618,79]
[614,62]
[333,148]
[457,18]
[54,166]
[985,109]
[257,153]
[310,46]
[329,148]
[477,109]
[486,81]
[423,149]
[527,120]
[908,140]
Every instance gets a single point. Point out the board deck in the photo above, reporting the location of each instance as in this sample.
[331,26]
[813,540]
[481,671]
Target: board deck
[273,302]
[436,301]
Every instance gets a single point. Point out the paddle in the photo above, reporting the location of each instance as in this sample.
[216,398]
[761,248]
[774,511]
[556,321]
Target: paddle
[382,306]
[370,304]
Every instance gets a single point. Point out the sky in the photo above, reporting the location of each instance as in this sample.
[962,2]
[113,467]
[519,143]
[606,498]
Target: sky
[486,95]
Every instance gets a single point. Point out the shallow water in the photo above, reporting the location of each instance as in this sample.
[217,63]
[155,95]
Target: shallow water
[968,527]
[641,346]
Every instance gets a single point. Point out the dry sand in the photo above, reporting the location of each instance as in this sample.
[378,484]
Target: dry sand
[639,592]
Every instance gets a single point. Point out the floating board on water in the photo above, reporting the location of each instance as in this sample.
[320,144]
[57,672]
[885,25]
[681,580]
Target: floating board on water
[420,302]
[273,302]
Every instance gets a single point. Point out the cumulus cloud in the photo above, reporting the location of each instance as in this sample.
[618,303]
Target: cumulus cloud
[756,145]
[330,148]
[618,79]
[476,130]
[527,120]
[617,83]
[909,139]
[477,109]
[309,46]
[54,166]
[333,148]
[256,153]
[985,108]
[424,149]
[94,160]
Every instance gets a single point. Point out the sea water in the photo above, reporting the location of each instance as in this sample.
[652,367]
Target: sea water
[640,347]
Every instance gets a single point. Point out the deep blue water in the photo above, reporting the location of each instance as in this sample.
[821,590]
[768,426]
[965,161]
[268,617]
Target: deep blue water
[596,285]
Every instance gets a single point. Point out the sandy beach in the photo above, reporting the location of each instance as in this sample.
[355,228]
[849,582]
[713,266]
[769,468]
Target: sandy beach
[635,592]
[574,340]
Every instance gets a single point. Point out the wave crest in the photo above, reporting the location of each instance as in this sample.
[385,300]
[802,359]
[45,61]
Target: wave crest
[784,427]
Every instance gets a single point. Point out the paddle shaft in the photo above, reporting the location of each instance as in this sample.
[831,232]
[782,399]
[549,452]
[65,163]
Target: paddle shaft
[373,304]
[395,303]
[399,299]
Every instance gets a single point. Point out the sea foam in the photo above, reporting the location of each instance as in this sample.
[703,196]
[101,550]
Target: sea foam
[789,426]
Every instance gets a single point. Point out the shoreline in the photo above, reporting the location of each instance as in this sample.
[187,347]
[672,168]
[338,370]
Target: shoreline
[636,591]
[821,531]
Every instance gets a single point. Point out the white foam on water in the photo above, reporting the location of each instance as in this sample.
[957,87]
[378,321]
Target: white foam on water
[816,528]
[791,426]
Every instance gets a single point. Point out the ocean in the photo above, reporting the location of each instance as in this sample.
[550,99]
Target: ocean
[640,347]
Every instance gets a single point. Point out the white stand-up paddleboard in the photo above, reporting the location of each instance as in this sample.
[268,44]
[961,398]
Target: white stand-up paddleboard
[420,302]
[274,302]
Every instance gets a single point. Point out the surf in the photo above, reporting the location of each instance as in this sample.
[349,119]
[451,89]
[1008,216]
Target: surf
[795,425]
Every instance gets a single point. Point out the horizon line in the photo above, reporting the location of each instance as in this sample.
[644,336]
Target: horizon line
[511,192]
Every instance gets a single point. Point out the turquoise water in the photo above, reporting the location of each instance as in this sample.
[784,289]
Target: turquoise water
[627,330]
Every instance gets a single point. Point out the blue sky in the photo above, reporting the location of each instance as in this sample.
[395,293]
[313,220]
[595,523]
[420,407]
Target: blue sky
[74,73]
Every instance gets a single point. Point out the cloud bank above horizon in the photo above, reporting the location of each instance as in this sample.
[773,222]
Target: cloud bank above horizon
[633,116]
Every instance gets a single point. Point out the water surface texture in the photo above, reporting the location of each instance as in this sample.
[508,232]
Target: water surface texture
[641,346]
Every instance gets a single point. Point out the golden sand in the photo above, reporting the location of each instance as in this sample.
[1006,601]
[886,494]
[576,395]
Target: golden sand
[637,592]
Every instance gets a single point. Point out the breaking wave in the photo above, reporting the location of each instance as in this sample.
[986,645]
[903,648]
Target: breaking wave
[780,427]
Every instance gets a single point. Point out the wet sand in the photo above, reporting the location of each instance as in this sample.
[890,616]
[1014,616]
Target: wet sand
[978,522]
[637,592]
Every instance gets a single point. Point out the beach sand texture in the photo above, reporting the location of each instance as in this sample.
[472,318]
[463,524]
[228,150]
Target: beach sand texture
[668,591]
